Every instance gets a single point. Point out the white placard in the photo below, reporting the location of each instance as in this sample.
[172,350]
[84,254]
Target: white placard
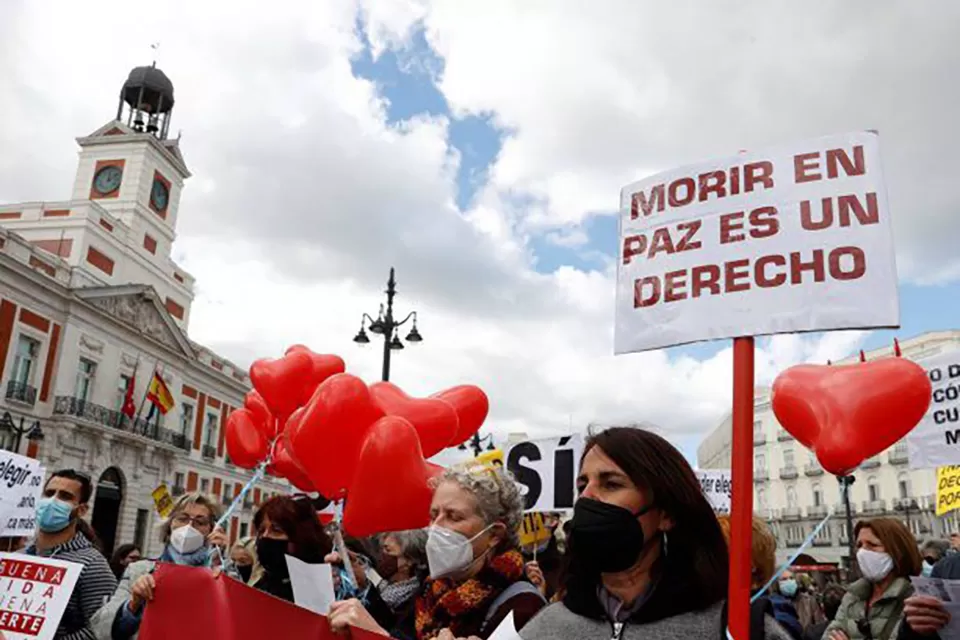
[546,471]
[312,585]
[935,442]
[796,238]
[948,592]
[34,593]
[507,630]
[716,484]
[21,482]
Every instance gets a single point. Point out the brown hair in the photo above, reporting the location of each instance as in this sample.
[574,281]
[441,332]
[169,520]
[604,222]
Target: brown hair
[763,551]
[297,518]
[898,542]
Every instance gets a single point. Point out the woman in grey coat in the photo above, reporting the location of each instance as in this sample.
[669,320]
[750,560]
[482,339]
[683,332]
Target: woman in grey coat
[647,558]
[189,537]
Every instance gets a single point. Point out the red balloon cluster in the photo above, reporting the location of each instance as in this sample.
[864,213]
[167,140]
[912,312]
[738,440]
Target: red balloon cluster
[846,414]
[331,433]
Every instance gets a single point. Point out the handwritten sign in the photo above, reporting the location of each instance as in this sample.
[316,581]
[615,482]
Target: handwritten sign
[34,593]
[533,530]
[21,482]
[935,442]
[796,238]
[948,489]
[162,500]
[546,471]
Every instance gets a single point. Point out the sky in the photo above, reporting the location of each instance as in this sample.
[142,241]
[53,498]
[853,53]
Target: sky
[479,148]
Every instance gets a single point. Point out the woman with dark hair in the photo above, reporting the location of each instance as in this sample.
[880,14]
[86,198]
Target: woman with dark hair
[287,525]
[887,554]
[123,556]
[646,555]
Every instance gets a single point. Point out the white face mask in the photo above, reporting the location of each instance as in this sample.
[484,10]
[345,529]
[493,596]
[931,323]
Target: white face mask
[874,566]
[186,539]
[449,552]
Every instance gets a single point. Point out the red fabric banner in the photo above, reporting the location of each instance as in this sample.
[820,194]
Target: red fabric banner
[190,604]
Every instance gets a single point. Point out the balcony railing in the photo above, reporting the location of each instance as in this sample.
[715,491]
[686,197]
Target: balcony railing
[97,414]
[178,491]
[822,542]
[899,455]
[248,503]
[789,473]
[817,511]
[761,475]
[759,437]
[841,509]
[784,436]
[791,513]
[209,452]
[227,500]
[22,393]
[813,469]
[871,507]
[870,463]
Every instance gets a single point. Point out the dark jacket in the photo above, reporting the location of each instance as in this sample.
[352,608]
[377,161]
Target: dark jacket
[786,614]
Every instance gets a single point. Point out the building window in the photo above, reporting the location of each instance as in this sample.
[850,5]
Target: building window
[205,486]
[227,493]
[904,485]
[788,460]
[28,351]
[762,499]
[140,531]
[817,496]
[791,497]
[186,418]
[86,372]
[244,529]
[178,480]
[760,462]
[824,534]
[122,385]
[211,429]
[873,487]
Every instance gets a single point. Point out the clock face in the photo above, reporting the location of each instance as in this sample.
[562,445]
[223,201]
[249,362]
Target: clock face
[159,195]
[108,180]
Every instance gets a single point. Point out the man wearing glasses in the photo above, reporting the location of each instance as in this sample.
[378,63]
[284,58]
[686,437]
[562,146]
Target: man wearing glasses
[61,535]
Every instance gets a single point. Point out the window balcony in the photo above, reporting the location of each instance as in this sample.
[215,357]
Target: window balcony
[21,393]
[784,436]
[817,511]
[99,415]
[759,438]
[791,513]
[822,542]
[789,473]
[247,503]
[209,452]
[899,455]
[227,501]
[760,475]
[841,509]
[178,491]
[871,463]
[874,507]
[813,469]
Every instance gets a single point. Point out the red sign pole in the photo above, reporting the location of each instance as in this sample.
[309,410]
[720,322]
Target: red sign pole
[741,525]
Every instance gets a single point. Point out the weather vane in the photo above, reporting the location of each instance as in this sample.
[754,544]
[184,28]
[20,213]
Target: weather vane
[156,47]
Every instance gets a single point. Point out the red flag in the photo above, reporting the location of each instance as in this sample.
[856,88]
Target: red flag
[190,604]
[896,348]
[129,408]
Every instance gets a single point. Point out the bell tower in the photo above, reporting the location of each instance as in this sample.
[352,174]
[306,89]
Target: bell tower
[147,100]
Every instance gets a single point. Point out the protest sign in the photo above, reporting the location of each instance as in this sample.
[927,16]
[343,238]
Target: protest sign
[716,484]
[491,458]
[948,489]
[796,238]
[220,608]
[162,501]
[547,471]
[533,530]
[935,442]
[34,593]
[21,482]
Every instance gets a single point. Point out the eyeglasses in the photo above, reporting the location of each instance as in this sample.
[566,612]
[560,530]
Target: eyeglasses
[198,523]
[931,560]
[863,626]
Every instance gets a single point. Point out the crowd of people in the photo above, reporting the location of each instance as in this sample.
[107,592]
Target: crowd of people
[643,556]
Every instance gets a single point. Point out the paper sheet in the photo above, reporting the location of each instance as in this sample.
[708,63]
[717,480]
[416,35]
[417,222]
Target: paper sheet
[507,630]
[948,592]
[312,585]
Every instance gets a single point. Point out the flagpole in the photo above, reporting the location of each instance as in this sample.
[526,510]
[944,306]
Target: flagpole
[146,393]
[128,391]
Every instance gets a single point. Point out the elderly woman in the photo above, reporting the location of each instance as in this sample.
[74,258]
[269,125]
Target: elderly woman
[189,539]
[932,552]
[476,575]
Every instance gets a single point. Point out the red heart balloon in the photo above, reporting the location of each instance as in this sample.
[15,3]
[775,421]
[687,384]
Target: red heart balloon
[471,405]
[846,414]
[285,466]
[246,445]
[331,431]
[391,488]
[255,404]
[436,421]
[324,366]
[281,382]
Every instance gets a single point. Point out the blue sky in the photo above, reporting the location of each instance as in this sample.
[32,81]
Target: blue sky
[407,80]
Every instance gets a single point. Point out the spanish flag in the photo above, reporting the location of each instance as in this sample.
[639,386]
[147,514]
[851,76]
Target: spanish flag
[159,394]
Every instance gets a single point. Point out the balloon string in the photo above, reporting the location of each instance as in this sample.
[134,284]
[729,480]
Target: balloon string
[339,542]
[803,546]
[237,500]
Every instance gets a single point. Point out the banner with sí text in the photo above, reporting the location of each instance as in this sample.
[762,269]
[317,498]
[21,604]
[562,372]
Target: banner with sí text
[935,442]
[21,482]
[34,593]
[190,603]
[796,238]
[546,470]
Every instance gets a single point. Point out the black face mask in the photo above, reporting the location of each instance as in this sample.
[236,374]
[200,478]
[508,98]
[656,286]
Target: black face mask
[606,538]
[245,571]
[388,566]
[271,554]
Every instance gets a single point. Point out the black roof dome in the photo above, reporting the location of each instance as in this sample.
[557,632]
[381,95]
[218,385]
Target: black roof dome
[148,89]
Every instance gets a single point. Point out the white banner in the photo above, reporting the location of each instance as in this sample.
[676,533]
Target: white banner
[795,238]
[21,482]
[935,442]
[546,471]
[33,595]
[716,484]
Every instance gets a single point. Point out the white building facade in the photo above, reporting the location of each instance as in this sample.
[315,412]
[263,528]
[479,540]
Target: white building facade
[90,299]
[793,492]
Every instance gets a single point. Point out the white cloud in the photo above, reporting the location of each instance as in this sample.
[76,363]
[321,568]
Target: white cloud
[303,196]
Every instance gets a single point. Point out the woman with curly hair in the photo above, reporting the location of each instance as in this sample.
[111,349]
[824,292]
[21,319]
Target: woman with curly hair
[475,565]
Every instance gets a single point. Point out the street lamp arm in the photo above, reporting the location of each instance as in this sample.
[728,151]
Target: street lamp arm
[366,316]
[412,314]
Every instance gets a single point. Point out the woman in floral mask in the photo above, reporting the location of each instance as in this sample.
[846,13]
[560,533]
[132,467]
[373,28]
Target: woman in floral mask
[476,569]
[873,606]
[189,535]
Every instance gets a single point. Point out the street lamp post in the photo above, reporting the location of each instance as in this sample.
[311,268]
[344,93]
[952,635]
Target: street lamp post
[846,482]
[907,505]
[33,432]
[388,327]
[476,443]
